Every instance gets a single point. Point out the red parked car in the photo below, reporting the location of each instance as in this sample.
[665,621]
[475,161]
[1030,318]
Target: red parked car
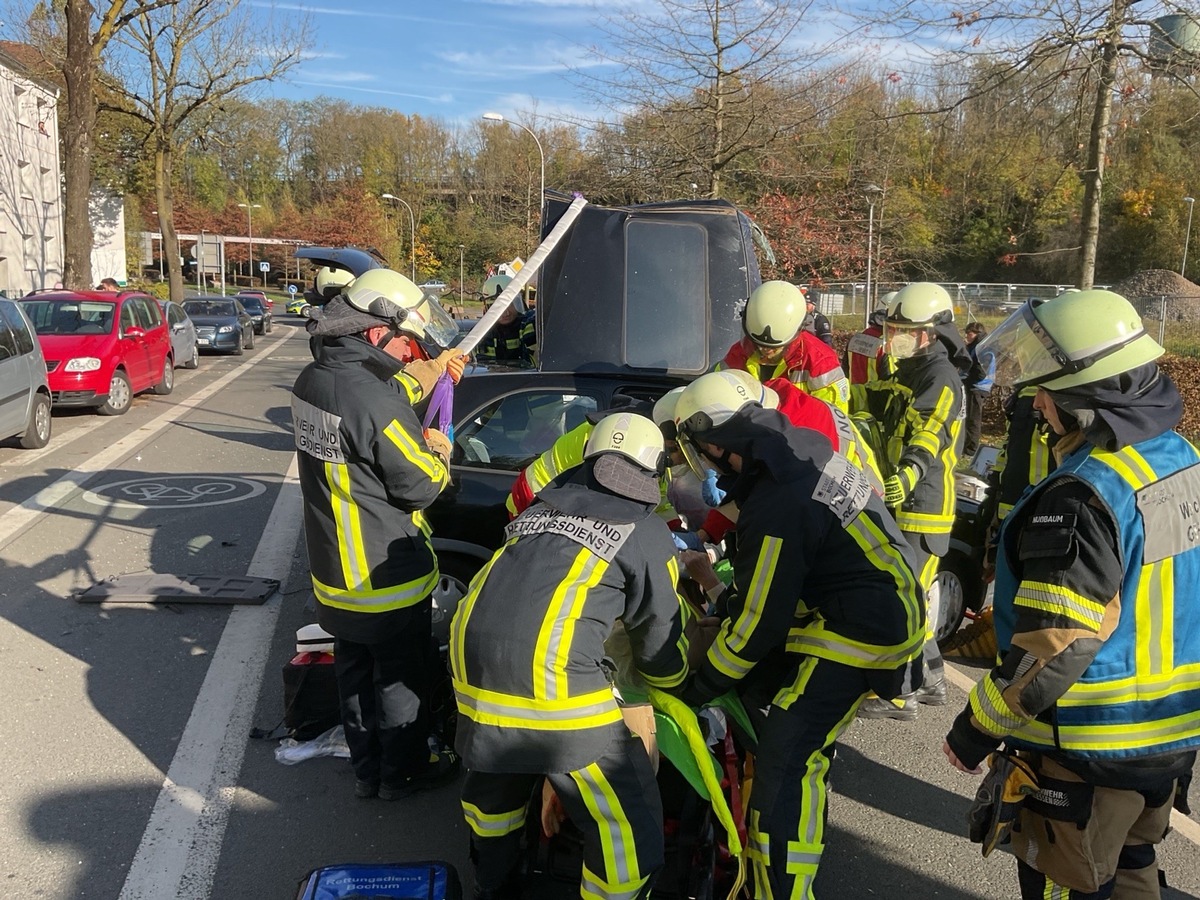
[102,348]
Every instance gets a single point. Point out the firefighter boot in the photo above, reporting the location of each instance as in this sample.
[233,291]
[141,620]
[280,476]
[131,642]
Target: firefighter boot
[902,708]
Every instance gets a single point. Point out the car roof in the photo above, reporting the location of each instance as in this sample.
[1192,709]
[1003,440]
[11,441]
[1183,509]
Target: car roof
[101,296]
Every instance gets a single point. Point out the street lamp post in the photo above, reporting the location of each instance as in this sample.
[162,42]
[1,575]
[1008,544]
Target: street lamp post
[496,117]
[250,234]
[872,192]
[461,247]
[1191,202]
[412,225]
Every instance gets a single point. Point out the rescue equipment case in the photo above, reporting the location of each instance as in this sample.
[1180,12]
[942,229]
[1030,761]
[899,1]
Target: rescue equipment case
[426,880]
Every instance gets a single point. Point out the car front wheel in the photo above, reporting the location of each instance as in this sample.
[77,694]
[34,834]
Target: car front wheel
[120,396]
[454,580]
[37,431]
[193,361]
[250,339]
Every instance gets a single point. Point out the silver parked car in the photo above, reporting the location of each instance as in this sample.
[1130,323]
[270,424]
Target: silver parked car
[24,391]
[183,335]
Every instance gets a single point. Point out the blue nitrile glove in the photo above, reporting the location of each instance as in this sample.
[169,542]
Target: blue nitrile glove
[687,540]
[712,495]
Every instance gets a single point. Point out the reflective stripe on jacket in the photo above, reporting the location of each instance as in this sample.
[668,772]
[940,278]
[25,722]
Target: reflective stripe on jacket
[527,641]
[565,454]
[920,415]
[1025,458]
[365,474]
[807,363]
[820,566]
[1140,695]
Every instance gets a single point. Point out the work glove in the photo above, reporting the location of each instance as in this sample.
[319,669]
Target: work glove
[439,444]
[686,540]
[453,362]
[897,487]
[712,495]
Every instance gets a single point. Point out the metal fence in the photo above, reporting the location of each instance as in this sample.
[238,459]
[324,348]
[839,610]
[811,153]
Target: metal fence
[1173,320]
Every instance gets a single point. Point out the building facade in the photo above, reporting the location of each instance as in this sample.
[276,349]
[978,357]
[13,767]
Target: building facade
[31,225]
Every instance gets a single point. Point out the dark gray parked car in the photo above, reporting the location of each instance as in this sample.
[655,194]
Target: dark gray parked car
[222,323]
[24,391]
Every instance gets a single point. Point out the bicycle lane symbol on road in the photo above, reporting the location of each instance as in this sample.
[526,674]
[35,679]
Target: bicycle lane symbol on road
[174,491]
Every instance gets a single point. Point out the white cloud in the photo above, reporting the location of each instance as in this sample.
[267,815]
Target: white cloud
[338,76]
[516,61]
[438,98]
[362,13]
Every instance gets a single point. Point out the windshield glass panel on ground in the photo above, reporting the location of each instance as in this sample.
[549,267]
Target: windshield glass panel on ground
[666,271]
[70,316]
[209,308]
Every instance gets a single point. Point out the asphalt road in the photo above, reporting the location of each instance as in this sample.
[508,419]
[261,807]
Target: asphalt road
[129,772]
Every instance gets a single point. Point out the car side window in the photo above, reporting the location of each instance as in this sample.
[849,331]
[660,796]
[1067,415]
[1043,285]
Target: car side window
[147,313]
[514,430]
[241,310]
[8,344]
[127,316]
[174,316]
[22,335]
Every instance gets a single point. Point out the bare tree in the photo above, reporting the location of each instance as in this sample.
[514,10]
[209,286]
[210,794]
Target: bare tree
[182,61]
[73,36]
[698,80]
[1091,48]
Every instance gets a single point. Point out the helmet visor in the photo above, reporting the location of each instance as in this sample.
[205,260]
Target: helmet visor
[439,327]
[1023,351]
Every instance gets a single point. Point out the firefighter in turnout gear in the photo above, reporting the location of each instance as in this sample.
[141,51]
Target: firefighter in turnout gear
[802,411]
[823,582]
[526,648]
[919,415]
[513,340]
[366,473]
[775,346]
[1097,586]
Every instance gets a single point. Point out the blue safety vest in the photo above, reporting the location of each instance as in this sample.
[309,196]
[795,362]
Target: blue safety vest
[1141,694]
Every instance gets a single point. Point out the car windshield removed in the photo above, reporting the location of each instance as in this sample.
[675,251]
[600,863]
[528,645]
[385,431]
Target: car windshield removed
[70,316]
[209,308]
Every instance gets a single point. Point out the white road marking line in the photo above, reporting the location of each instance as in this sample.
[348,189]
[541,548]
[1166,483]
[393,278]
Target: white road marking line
[1187,828]
[181,845]
[86,426]
[18,518]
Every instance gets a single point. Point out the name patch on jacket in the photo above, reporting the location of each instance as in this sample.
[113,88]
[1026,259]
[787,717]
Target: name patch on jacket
[843,488]
[864,345]
[1170,511]
[602,538]
[317,431]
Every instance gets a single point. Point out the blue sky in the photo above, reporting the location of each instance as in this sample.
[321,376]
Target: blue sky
[453,59]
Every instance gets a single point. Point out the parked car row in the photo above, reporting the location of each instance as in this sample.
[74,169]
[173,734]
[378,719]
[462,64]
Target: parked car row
[99,349]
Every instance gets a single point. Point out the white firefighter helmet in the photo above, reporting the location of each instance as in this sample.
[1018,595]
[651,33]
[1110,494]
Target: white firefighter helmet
[774,314]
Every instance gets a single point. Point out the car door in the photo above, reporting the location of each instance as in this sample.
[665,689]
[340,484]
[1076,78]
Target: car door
[244,318]
[158,338]
[14,384]
[131,345]
[181,341]
[492,444]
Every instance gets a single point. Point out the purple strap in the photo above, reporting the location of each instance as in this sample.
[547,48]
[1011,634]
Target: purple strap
[441,404]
